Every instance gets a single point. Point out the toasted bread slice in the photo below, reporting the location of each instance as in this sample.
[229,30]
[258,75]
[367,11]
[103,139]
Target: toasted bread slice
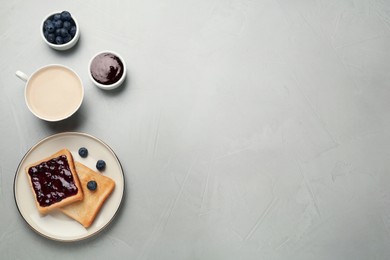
[54,181]
[85,211]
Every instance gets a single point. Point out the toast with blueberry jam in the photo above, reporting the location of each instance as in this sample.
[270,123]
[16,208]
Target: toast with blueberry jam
[54,181]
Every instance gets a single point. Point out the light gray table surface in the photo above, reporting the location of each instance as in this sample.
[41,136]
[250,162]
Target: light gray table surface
[247,129]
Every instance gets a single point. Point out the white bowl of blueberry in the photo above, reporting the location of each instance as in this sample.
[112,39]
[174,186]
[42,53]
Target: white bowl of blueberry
[60,30]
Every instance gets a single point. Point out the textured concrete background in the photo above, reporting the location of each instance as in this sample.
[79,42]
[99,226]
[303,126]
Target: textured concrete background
[246,129]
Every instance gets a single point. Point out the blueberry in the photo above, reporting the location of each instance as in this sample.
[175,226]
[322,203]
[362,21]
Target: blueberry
[58,32]
[83,152]
[72,31]
[64,32]
[51,37]
[46,23]
[50,27]
[65,16]
[59,40]
[92,185]
[58,24]
[67,38]
[57,17]
[66,25]
[100,165]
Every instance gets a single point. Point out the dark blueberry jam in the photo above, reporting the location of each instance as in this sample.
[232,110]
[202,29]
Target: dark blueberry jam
[106,68]
[52,181]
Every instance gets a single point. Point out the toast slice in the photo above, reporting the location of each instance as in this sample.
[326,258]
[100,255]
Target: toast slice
[54,181]
[85,211]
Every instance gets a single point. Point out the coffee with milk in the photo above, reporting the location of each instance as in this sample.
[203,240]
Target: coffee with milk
[54,93]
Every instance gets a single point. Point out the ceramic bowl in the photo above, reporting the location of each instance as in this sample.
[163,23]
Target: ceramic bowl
[64,46]
[102,64]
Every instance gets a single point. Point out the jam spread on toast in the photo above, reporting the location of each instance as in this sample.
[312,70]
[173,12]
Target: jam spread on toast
[52,181]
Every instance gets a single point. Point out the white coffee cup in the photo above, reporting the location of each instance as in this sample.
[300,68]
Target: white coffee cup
[53,92]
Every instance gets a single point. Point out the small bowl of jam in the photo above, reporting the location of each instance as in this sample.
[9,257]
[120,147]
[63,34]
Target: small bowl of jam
[107,70]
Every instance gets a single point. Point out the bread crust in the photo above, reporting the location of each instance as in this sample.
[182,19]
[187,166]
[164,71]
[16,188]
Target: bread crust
[85,211]
[70,199]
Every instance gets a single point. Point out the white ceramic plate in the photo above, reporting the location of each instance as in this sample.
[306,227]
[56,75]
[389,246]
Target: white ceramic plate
[56,225]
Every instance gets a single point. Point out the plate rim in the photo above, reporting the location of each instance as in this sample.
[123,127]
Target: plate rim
[82,237]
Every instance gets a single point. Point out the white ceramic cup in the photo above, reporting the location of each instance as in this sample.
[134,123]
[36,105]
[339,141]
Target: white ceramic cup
[53,92]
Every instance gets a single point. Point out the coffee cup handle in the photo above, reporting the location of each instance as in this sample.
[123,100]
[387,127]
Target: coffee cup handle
[21,75]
